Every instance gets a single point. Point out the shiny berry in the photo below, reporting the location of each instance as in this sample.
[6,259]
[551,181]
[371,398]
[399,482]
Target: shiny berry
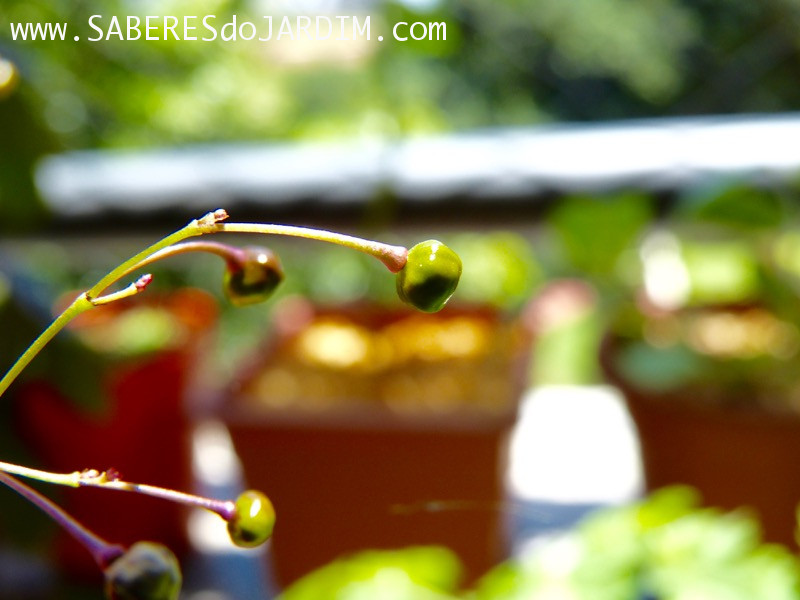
[253,520]
[146,571]
[255,278]
[429,277]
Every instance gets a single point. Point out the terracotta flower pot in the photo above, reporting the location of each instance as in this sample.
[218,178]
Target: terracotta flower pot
[736,456]
[376,429]
[142,430]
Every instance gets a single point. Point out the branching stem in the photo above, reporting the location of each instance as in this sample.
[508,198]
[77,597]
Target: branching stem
[109,480]
[394,257]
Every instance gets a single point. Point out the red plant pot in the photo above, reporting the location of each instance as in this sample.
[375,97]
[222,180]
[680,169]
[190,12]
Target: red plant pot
[142,432]
[349,470]
[735,456]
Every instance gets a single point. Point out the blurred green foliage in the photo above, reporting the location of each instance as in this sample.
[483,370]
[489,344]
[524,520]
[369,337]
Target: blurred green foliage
[422,573]
[503,63]
[596,231]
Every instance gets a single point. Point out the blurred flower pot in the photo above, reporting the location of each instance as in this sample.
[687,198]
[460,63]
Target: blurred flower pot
[141,428]
[380,429]
[736,452]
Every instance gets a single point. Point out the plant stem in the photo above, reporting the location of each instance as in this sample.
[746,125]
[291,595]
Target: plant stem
[206,224]
[394,257]
[87,300]
[230,254]
[224,508]
[102,551]
[79,305]
[110,481]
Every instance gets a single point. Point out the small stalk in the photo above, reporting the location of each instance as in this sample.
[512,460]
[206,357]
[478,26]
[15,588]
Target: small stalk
[224,508]
[103,552]
[232,255]
[110,480]
[206,224]
[80,305]
[394,257]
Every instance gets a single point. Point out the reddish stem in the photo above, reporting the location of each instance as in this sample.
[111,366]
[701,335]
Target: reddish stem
[103,552]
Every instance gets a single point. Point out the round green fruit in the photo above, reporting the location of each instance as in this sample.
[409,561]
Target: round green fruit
[147,571]
[253,521]
[429,277]
[255,279]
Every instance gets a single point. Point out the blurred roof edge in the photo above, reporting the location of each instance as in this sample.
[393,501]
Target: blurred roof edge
[515,165]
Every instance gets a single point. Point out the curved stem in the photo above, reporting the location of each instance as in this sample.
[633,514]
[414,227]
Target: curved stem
[102,551]
[206,224]
[110,481]
[230,254]
[92,296]
[394,257]
[81,304]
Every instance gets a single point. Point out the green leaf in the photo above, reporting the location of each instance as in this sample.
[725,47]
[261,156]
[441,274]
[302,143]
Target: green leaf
[417,573]
[741,206]
[595,232]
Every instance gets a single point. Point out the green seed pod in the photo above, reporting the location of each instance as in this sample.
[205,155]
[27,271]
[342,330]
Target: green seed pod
[429,277]
[147,571]
[253,521]
[255,279]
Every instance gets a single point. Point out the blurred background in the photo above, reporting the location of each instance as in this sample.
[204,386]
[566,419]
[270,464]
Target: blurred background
[621,183]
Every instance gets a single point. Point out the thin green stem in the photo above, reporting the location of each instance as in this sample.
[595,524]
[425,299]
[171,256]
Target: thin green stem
[103,552]
[206,224]
[79,305]
[394,257]
[68,479]
[92,297]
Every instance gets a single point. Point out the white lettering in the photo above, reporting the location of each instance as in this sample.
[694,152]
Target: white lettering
[209,27]
[133,28]
[306,23]
[394,31]
[251,26]
[342,37]
[360,31]
[329,23]
[269,37]
[286,29]
[96,28]
[187,28]
[148,28]
[229,26]
[170,23]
